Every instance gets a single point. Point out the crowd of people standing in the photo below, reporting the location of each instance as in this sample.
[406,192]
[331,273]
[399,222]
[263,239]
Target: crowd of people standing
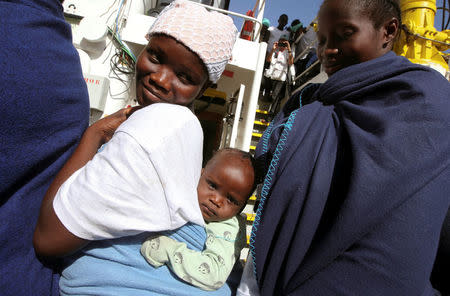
[290,51]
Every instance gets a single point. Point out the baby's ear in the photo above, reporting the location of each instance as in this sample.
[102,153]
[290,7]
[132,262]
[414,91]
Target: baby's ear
[201,173]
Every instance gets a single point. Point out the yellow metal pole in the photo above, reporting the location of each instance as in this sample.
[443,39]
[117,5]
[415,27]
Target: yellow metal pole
[419,41]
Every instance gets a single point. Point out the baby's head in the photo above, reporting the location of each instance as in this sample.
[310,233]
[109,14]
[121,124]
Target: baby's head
[355,31]
[188,50]
[226,183]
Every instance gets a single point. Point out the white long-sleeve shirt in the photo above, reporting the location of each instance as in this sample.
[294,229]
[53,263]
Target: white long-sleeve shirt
[144,180]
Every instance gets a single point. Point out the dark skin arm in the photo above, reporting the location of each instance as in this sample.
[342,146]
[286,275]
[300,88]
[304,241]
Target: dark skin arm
[290,56]
[51,238]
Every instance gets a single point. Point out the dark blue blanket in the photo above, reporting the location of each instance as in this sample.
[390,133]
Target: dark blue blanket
[44,109]
[357,184]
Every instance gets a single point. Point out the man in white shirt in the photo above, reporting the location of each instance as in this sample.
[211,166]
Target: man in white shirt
[277,32]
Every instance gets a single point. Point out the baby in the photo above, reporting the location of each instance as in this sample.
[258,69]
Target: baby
[226,183]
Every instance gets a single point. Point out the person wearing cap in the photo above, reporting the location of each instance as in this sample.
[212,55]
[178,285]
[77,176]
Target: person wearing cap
[295,30]
[274,35]
[279,59]
[104,204]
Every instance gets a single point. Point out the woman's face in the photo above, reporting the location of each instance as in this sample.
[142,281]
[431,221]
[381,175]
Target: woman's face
[346,37]
[167,71]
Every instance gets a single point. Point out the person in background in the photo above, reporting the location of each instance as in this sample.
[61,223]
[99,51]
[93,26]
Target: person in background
[280,59]
[145,179]
[226,184]
[277,32]
[274,35]
[295,30]
[357,169]
[45,110]
[306,48]
[265,34]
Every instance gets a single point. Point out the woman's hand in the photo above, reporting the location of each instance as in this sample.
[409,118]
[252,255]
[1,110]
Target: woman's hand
[275,46]
[105,127]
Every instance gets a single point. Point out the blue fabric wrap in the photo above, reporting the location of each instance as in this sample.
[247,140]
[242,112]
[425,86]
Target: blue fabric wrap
[357,184]
[44,111]
[116,267]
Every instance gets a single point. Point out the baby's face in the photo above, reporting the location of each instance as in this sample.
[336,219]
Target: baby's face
[168,72]
[224,187]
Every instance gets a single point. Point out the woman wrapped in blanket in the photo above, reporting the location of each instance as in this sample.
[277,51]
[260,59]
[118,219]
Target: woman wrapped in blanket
[145,179]
[45,110]
[357,175]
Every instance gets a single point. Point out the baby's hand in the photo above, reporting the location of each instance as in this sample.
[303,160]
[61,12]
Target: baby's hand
[153,250]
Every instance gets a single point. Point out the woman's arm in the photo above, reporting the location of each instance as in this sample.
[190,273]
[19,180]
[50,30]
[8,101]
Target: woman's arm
[51,238]
[290,55]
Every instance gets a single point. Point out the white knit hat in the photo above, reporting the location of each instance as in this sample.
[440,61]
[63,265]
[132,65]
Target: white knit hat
[209,34]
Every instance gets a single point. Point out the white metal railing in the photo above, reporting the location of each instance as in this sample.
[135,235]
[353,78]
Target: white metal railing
[256,20]
[237,116]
